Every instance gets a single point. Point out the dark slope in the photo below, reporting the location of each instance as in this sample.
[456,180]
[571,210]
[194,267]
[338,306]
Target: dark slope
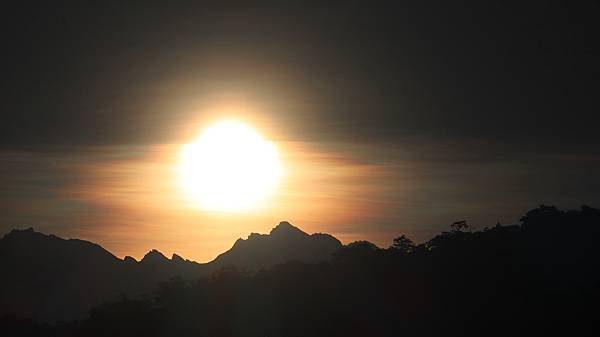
[540,278]
[49,278]
[284,243]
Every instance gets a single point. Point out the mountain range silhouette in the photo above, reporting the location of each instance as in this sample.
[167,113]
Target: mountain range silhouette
[52,278]
[539,277]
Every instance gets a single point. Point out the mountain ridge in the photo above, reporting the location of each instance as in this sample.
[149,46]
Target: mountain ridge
[81,274]
[290,243]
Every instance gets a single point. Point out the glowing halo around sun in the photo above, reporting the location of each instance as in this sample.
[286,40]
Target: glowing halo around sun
[229,168]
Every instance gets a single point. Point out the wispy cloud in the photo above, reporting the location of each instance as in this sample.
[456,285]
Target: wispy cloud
[128,198]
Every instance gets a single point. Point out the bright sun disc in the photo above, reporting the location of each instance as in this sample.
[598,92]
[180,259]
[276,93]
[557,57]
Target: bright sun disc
[230,167]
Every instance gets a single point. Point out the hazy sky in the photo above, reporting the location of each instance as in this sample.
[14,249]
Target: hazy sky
[390,118]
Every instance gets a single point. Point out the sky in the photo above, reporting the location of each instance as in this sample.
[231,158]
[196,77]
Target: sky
[390,118]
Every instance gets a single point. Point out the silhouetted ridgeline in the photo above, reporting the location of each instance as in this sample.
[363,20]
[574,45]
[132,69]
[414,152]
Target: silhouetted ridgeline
[532,279]
[49,278]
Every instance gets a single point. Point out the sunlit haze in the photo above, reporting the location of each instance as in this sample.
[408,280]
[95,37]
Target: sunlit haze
[229,168]
[183,127]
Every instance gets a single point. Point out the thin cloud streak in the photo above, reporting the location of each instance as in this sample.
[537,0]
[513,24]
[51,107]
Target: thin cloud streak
[128,198]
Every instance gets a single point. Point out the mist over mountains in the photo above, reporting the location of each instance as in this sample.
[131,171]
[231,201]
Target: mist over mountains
[50,278]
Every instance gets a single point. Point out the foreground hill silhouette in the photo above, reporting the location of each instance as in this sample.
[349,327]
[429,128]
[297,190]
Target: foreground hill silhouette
[49,278]
[538,278]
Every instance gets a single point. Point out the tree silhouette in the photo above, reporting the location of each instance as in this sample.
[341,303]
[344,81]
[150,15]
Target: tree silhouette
[403,244]
[460,227]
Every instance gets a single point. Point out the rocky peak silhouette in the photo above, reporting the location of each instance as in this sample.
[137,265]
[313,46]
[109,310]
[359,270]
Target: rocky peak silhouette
[129,259]
[284,242]
[177,259]
[284,228]
[154,256]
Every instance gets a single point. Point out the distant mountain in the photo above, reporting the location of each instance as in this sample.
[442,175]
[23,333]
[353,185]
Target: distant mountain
[284,243]
[47,277]
[50,278]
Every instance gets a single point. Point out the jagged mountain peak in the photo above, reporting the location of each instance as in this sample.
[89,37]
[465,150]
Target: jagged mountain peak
[129,259]
[285,228]
[154,256]
[285,242]
[177,258]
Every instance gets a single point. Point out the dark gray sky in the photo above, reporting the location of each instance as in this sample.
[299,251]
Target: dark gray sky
[502,94]
[526,73]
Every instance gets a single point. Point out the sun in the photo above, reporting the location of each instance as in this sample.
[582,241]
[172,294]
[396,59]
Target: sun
[230,167]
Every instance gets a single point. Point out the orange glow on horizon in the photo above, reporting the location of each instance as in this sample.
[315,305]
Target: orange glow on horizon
[146,208]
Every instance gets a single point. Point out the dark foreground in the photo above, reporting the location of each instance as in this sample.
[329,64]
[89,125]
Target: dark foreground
[537,278]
